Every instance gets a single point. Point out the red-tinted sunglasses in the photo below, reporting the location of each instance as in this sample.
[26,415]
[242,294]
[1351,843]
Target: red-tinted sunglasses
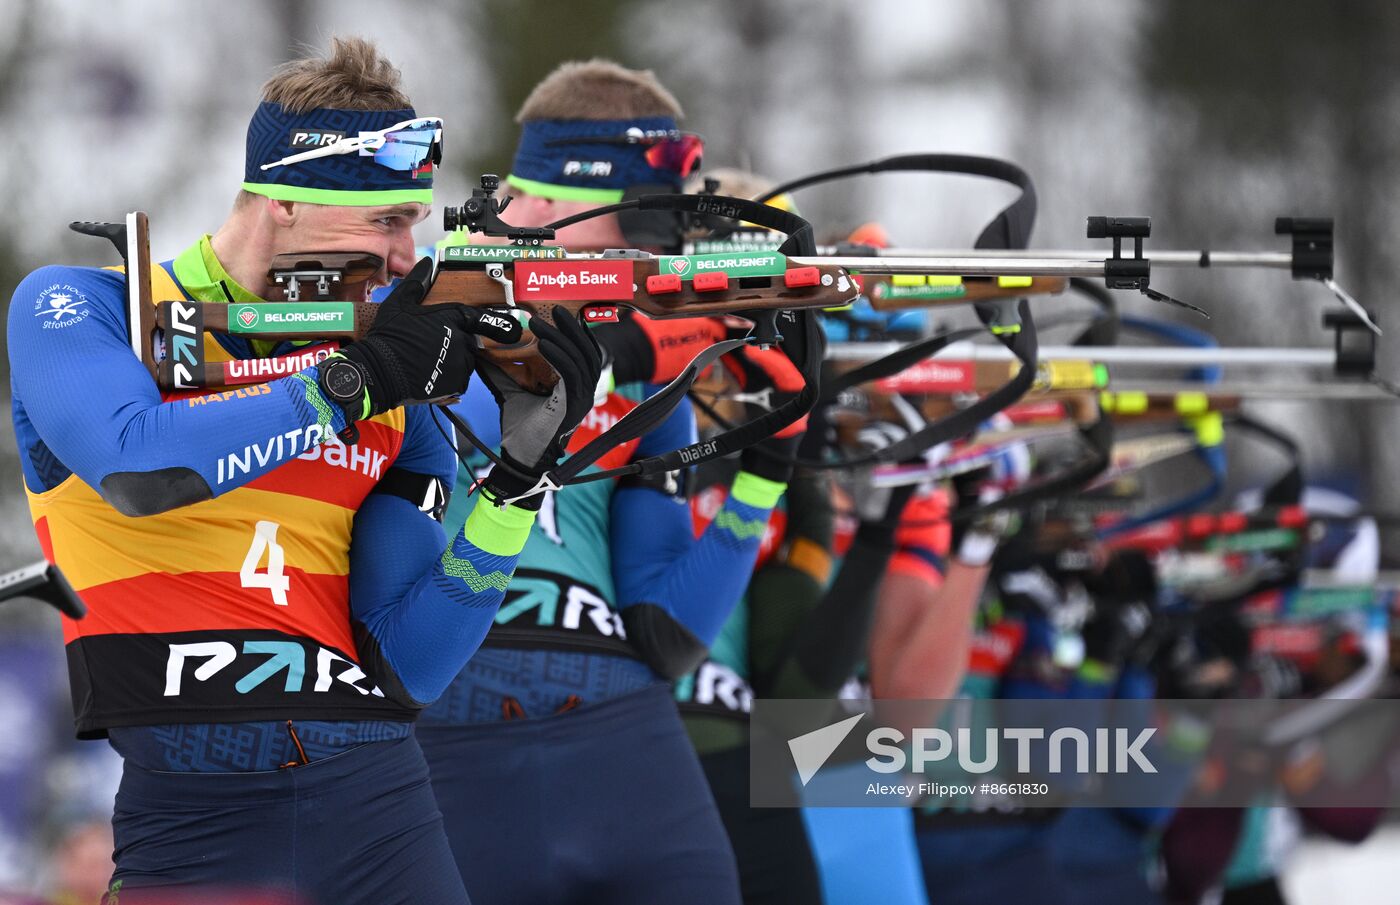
[672,150]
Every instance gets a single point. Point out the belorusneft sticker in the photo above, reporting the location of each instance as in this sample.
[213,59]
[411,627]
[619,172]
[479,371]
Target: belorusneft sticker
[276,317]
[736,264]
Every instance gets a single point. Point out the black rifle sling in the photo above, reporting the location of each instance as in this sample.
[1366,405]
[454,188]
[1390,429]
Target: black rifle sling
[1287,488]
[1011,228]
[1097,437]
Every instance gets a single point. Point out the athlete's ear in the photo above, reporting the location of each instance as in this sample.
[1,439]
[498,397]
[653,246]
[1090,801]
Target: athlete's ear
[531,210]
[283,213]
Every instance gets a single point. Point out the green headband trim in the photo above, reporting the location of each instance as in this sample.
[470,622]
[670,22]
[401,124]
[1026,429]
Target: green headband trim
[565,192]
[338,197]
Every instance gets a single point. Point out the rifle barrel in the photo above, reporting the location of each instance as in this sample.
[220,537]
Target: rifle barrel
[963,264]
[1297,392]
[1125,355]
[1204,258]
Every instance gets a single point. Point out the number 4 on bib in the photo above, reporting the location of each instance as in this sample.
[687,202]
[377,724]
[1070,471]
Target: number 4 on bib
[265,538]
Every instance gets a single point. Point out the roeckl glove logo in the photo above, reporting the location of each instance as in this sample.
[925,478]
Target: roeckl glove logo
[811,751]
[497,321]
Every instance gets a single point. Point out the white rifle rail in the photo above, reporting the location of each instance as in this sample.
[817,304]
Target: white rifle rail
[964,264]
[1164,356]
[1205,258]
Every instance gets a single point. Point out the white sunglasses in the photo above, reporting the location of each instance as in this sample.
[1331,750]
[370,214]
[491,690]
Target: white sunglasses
[402,146]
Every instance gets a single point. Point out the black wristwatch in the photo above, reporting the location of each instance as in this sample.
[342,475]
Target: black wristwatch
[342,381]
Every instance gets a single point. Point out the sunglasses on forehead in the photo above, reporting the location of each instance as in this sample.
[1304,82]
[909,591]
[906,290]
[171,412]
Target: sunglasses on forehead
[403,146]
[666,149]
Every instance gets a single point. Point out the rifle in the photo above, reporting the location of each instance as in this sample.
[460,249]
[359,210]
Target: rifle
[168,335]
[1000,274]
[1311,257]
[1004,273]
[532,277]
[1353,356]
[43,581]
[1269,529]
[908,289]
[996,279]
[999,308]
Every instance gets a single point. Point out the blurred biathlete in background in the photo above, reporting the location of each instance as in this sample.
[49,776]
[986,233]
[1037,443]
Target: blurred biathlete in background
[921,642]
[1236,855]
[269,607]
[849,582]
[1070,855]
[557,756]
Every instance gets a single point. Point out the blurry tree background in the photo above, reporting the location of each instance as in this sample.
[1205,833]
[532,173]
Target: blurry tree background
[1213,118]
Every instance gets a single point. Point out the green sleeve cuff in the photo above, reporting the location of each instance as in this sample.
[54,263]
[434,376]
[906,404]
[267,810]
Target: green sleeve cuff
[752,490]
[499,531]
[1097,671]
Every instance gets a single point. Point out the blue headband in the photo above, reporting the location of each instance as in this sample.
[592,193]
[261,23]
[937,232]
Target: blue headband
[343,179]
[583,171]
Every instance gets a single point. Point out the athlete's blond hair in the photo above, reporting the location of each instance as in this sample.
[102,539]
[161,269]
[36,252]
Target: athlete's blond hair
[598,89]
[353,76]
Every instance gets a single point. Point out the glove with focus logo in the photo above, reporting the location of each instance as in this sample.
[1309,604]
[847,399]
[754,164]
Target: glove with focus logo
[413,352]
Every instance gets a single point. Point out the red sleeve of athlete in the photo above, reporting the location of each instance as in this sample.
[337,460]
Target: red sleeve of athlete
[674,343]
[923,538]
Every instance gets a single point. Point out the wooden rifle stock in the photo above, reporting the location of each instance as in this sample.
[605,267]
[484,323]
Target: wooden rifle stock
[636,283]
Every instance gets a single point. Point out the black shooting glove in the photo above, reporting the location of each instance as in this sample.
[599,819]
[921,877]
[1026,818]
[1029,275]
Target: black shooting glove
[535,429]
[413,352]
[1125,602]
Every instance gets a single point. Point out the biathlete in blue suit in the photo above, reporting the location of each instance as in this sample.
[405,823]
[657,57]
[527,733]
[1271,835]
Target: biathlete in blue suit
[269,607]
[558,758]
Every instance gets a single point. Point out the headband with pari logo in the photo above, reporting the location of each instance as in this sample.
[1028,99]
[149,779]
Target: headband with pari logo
[596,161]
[356,179]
